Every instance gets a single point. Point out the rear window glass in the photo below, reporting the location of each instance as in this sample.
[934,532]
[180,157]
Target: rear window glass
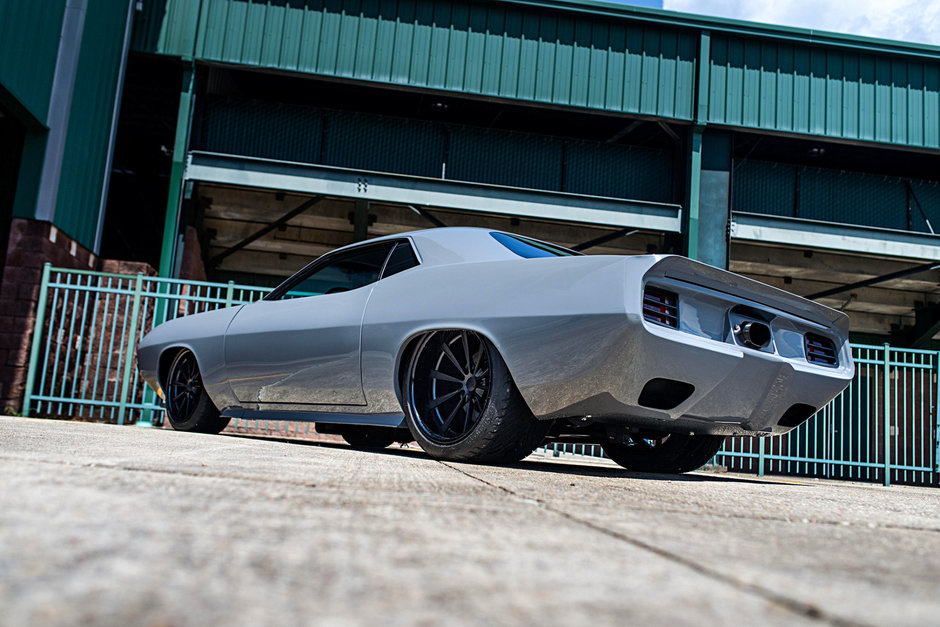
[531,248]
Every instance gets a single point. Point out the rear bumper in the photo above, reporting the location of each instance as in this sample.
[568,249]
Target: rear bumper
[737,391]
[713,382]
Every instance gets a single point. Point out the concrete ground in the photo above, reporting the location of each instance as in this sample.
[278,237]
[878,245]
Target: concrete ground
[129,526]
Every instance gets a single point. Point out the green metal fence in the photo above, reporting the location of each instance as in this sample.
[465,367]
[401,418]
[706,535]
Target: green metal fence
[884,427]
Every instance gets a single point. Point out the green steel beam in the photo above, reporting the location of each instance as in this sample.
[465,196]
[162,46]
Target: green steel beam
[175,195]
[427,192]
[694,190]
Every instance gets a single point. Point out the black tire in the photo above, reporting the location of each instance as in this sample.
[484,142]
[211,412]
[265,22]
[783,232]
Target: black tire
[368,437]
[670,453]
[461,403]
[188,406]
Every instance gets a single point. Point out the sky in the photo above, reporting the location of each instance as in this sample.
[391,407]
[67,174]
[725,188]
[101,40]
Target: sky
[916,21]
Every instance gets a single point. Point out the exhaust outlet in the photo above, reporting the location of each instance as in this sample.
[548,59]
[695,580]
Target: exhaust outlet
[753,334]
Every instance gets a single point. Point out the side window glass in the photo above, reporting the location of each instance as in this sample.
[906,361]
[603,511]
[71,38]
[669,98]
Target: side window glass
[347,272]
[401,259]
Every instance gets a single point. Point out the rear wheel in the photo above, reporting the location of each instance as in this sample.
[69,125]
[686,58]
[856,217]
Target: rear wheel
[188,406]
[667,452]
[461,403]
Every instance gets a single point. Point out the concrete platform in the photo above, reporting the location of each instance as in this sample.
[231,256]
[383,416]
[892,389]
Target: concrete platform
[129,526]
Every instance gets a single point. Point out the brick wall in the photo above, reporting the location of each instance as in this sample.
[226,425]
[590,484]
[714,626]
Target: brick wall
[31,244]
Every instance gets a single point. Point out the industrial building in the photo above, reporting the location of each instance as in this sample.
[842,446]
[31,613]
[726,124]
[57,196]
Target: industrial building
[233,140]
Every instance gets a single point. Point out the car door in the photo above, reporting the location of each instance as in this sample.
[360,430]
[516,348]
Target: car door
[302,343]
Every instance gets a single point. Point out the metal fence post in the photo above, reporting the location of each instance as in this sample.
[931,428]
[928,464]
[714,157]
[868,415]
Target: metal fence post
[131,345]
[760,457]
[936,414]
[230,294]
[37,337]
[886,398]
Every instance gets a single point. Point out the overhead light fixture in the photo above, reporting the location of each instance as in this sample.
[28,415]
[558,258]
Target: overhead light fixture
[816,152]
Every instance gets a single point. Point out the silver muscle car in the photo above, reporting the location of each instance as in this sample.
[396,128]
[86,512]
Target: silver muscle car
[481,345]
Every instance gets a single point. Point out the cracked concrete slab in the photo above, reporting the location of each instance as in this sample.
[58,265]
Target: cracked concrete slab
[115,525]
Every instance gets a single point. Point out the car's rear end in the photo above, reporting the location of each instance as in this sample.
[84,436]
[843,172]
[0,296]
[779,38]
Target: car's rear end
[718,353]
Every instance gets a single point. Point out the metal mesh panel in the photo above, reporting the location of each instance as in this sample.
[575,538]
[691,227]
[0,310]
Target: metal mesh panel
[384,144]
[763,187]
[505,158]
[928,194]
[260,129]
[618,171]
[853,198]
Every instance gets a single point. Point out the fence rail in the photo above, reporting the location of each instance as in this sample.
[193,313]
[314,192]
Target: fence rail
[885,426]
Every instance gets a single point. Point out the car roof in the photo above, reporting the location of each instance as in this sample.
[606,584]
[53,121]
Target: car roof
[451,244]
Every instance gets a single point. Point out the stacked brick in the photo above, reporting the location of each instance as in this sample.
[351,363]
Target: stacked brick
[31,244]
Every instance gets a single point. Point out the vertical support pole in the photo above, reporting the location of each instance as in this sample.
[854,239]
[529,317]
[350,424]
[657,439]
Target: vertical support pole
[360,220]
[175,194]
[886,401]
[695,185]
[131,345]
[37,338]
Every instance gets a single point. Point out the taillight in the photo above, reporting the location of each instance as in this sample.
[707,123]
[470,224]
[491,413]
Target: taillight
[820,350]
[661,307]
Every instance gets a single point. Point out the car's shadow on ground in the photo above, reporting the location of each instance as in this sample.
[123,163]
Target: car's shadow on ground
[547,465]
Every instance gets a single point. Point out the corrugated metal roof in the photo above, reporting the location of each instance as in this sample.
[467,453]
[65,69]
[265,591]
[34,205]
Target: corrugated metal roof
[574,54]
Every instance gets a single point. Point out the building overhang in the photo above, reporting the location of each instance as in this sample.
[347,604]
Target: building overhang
[302,178]
[830,236]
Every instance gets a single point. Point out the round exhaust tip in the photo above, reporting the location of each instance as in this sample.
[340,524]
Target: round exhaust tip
[753,334]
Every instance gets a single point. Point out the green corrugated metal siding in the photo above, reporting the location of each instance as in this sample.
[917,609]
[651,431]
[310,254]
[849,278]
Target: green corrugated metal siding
[837,93]
[29,44]
[88,137]
[490,49]
[834,196]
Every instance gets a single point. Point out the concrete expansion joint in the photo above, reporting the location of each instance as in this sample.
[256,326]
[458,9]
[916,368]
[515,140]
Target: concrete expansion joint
[806,610]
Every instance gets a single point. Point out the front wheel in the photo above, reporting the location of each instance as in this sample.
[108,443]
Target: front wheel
[670,453]
[461,403]
[188,406]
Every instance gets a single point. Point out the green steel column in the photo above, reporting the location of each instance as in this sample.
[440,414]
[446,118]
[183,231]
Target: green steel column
[695,178]
[180,145]
[714,203]
[37,337]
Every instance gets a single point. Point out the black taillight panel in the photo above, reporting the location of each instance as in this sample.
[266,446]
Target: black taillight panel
[661,307]
[820,350]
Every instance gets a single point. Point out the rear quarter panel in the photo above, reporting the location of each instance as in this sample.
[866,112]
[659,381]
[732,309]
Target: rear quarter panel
[554,320]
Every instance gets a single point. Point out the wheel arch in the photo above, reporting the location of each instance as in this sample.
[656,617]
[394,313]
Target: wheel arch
[167,355]
[410,344]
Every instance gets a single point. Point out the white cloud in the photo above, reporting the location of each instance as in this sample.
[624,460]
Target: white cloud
[905,20]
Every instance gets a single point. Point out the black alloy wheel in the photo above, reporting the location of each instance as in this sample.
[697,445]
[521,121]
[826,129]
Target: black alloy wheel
[461,403]
[671,453]
[184,386]
[450,401]
[188,406]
